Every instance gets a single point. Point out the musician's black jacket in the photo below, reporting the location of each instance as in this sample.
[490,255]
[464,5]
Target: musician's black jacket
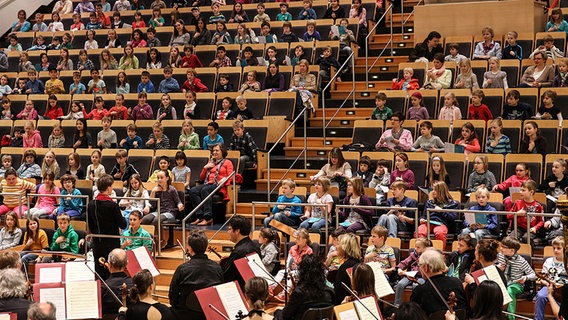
[425,295]
[115,281]
[197,273]
[242,249]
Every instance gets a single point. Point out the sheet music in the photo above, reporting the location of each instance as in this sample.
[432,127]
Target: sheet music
[258,268]
[382,286]
[363,313]
[145,260]
[5,316]
[350,314]
[231,299]
[469,217]
[78,271]
[493,274]
[82,300]
[335,30]
[411,273]
[50,275]
[55,296]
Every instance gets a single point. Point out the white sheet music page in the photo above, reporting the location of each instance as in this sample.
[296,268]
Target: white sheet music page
[145,260]
[363,313]
[350,314]
[258,268]
[82,300]
[50,275]
[493,274]
[55,296]
[231,299]
[78,271]
[382,286]
[4,316]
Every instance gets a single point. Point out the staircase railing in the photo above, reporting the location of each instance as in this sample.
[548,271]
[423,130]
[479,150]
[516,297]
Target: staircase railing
[304,113]
[350,58]
[371,33]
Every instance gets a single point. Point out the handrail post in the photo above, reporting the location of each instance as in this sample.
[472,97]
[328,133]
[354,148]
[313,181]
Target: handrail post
[213,192]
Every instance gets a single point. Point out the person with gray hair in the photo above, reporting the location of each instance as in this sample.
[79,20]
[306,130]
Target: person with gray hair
[42,311]
[116,264]
[432,268]
[13,289]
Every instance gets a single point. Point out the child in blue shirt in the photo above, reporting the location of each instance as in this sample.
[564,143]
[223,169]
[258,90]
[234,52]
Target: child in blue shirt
[286,213]
[169,84]
[132,141]
[485,224]
[77,87]
[212,138]
[146,84]
[307,12]
[34,85]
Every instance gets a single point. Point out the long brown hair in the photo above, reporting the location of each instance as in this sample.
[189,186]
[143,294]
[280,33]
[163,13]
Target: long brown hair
[32,235]
[443,173]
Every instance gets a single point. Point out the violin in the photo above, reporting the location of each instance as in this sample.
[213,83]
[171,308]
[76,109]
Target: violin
[223,259]
[124,294]
[557,294]
[104,263]
[452,301]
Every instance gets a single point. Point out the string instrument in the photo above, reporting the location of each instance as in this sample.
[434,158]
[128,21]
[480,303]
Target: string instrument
[557,294]
[212,250]
[124,294]
[452,301]
[104,263]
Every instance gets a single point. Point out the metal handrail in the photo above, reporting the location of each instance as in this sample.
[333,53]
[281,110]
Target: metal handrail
[19,198]
[211,194]
[304,113]
[428,210]
[350,58]
[337,207]
[268,203]
[37,195]
[553,215]
[110,236]
[369,34]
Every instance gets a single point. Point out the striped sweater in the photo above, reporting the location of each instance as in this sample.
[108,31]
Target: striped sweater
[516,267]
[21,187]
[503,145]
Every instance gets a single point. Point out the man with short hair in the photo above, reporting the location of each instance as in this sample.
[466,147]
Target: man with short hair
[42,311]
[432,266]
[117,261]
[239,230]
[196,274]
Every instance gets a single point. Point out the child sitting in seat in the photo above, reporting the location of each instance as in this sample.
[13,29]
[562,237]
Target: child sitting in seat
[484,224]
[379,251]
[459,262]
[286,212]
[516,269]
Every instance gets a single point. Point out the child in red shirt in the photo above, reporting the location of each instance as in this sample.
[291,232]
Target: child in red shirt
[477,110]
[99,112]
[525,205]
[119,111]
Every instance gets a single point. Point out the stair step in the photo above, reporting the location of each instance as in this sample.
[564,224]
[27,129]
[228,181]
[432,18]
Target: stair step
[318,142]
[262,184]
[291,174]
[286,162]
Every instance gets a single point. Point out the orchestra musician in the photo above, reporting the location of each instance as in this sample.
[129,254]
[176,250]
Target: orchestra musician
[116,265]
[432,267]
[239,230]
[13,288]
[42,311]
[104,217]
[193,275]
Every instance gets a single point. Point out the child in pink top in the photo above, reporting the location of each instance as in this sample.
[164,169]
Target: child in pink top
[522,174]
[46,205]
[32,137]
[468,139]
[29,112]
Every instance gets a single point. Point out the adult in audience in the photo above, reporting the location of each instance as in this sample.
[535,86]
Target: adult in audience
[539,75]
[202,35]
[117,261]
[310,292]
[396,138]
[303,83]
[13,288]
[196,274]
[63,7]
[180,36]
[21,25]
[212,173]
[239,230]
[426,50]
[432,266]
[350,250]
[42,311]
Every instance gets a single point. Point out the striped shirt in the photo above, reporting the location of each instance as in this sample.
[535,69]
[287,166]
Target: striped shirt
[503,145]
[21,187]
[516,267]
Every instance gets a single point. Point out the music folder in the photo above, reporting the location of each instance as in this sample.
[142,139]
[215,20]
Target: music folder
[232,302]
[491,273]
[252,266]
[139,259]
